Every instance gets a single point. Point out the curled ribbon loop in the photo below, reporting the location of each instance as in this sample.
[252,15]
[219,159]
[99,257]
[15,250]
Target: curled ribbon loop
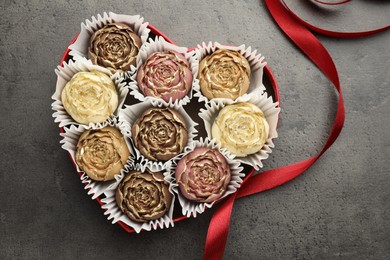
[332,3]
[328,32]
[298,31]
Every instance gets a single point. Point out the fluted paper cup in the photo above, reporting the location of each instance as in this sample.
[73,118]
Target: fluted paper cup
[65,74]
[192,208]
[255,59]
[159,45]
[69,142]
[114,213]
[79,49]
[271,113]
[130,114]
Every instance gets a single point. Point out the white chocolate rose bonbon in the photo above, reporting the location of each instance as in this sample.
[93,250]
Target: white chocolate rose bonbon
[241,128]
[90,97]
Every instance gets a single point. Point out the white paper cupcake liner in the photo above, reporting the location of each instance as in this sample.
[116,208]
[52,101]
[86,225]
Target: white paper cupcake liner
[129,114]
[69,143]
[192,208]
[157,45]
[79,49]
[256,62]
[270,110]
[64,75]
[115,214]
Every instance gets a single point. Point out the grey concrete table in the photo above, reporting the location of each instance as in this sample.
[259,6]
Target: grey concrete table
[338,209]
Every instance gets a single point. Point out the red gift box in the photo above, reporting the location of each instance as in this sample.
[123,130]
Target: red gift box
[268,80]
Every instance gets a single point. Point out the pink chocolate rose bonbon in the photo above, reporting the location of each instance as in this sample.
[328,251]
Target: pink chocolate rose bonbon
[203,175]
[165,75]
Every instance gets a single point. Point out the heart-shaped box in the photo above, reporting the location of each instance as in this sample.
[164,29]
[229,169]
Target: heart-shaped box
[271,88]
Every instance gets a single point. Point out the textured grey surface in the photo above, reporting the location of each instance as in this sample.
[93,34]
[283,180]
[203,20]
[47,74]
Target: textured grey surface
[338,209]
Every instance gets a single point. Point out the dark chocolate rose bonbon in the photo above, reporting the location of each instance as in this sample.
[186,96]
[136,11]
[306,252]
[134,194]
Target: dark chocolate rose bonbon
[112,41]
[160,133]
[154,122]
[115,46]
[143,196]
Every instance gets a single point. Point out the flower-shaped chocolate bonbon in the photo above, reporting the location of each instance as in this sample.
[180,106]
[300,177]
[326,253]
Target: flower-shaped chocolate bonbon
[160,133]
[224,74]
[241,128]
[115,46]
[165,75]
[203,175]
[102,153]
[143,196]
[90,97]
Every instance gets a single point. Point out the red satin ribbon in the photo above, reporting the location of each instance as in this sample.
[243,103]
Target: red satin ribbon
[298,31]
